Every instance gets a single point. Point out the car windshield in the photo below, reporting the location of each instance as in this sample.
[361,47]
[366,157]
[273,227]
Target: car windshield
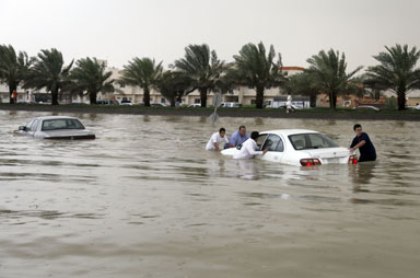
[307,141]
[55,124]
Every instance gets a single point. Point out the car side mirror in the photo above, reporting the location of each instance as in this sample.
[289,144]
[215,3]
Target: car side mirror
[23,128]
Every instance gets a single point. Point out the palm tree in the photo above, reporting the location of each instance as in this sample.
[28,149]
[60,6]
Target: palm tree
[173,85]
[257,69]
[328,70]
[302,84]
[203,67]
[396,71]
[144,73]
[13,67]
[91,76]
[49,72]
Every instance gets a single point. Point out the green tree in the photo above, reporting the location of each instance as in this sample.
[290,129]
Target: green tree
[302,84]
[13,67]
[49,72]
[144,73]
[328,71]
[203,67]
[396,71]
[91,76]
[257,69]
[173,85]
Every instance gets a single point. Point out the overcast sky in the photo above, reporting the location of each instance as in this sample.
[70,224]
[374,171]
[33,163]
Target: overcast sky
[119,30]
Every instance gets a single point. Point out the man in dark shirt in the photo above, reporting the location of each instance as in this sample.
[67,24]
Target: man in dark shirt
[364,144]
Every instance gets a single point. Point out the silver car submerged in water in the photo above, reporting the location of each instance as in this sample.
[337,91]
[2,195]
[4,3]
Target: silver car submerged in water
[56,127]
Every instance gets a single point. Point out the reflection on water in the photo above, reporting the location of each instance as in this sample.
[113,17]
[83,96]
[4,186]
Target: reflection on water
[146,200]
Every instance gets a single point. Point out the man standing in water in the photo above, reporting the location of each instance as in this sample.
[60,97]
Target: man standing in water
[249,148]
[238,137]
[217,141]
[362,142]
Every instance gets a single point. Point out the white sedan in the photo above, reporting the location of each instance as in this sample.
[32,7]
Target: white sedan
[300,147]
[56,127]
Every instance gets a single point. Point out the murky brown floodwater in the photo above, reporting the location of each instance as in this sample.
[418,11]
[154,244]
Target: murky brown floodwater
[146,200]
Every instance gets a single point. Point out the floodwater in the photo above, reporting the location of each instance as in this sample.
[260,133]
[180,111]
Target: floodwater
[145,200]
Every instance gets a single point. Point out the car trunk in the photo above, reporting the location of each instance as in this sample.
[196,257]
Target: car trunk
[72,134]
[330,155]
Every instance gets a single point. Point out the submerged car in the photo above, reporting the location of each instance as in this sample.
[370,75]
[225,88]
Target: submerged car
[56,127]
[300,147]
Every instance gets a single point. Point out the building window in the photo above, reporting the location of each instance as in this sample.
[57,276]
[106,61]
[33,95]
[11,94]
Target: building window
[197,100]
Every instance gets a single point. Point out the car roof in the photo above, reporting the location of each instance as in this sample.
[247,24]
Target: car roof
[287,132]
[54,117]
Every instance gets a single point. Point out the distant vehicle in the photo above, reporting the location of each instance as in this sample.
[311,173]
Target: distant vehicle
[230,105]
[367,107]
[293,106]
[158,105]
[55,127]
[107,101]
[195,105]
[300,147]
[126,102]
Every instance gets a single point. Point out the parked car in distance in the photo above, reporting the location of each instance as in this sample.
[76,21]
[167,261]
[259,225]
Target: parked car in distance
[300,147]
[158,105]
[367,107]
[55,127]
[230,105]
[107,101]
[293,106]
[194,105]
[126,102]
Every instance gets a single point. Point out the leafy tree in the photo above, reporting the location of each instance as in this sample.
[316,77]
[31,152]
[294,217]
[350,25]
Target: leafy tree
[49,72]
[91,76]
[144,73]
[302,84]
[13,67]
[328,71]
[203,67]
[173,85]
[257,69]
[396,71]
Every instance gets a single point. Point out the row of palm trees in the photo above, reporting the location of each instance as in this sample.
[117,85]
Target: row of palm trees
[200,69]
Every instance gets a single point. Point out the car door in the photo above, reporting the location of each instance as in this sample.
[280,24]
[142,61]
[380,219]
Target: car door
[275,145]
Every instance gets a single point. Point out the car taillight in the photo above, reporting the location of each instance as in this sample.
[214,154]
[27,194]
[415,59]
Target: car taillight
[310,162]
[353,159]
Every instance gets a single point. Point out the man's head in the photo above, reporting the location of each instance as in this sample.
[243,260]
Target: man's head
[357,129]
[242,130]
[254,135]
[222,132]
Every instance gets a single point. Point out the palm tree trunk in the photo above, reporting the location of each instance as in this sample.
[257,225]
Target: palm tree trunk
[333,100]
[173,101]
[203,96]
[146,96]
[401,99]
[12,88]
[260,97]
[312,100]
[54,97]
[92,97]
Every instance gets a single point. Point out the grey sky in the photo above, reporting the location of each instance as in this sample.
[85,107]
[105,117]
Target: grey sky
[118,30]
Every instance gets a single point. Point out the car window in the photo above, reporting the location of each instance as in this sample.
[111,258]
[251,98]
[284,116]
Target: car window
[55,124]
[31,126]
[311,141]
[274,143]
[261,140]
